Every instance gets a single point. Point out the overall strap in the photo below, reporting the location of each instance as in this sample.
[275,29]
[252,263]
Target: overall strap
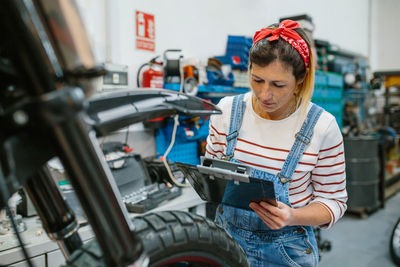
[238,109]
[303,138]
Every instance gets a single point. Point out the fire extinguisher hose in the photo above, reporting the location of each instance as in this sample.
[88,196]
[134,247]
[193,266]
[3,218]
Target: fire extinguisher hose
[138,83]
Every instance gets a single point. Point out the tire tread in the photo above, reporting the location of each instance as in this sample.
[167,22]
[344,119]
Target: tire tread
[168,233]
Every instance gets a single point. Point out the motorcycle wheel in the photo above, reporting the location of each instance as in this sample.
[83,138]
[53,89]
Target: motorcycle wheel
[176,238]
[394,245]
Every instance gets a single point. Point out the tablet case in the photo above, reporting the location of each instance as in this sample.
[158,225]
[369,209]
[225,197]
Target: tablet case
[228,183]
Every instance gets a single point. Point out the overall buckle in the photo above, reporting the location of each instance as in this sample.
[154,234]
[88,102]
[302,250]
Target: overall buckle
[282,178]
[232,135]
[302,138]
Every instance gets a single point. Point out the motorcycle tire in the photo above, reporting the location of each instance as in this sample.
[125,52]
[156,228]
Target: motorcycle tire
[394,245]
[175,238]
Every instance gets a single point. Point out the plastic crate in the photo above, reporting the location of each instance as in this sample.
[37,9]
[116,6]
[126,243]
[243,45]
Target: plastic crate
[320,79]
[222,89]
[339,118]
[238,47]
[327,93]
[218,78]
[329,79]
[183,152]
[333,107]
[334,79]
[239,39]
[228,60]
[244,56]
[204,130]
[172,86]
[185,149]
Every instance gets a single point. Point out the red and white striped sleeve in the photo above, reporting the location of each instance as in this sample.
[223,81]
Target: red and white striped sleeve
[329,175]
[216,140]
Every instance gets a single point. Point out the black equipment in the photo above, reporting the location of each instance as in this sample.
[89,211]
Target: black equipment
[127,168]
[172,72]
[159,174]
[149,197]
[130,172]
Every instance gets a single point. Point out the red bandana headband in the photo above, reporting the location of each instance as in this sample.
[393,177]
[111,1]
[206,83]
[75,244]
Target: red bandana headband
[286,32]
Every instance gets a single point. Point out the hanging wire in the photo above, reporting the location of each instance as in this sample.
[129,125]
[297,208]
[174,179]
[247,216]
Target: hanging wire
[127,136]
[21,243]
[3,194]
[176,123]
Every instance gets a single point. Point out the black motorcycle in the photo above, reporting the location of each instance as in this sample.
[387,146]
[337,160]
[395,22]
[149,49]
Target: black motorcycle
[47,78]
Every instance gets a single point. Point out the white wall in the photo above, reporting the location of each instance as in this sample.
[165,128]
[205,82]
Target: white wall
[385,36]
[93,13]
[200,28]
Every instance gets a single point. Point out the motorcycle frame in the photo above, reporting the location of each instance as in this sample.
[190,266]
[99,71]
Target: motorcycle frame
[50,119]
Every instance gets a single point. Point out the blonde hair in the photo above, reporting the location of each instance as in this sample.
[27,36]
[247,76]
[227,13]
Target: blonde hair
[307,86]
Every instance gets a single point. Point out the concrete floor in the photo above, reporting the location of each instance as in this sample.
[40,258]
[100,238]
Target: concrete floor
[362,242]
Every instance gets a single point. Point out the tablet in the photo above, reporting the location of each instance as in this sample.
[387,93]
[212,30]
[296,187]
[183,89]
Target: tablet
[227,182]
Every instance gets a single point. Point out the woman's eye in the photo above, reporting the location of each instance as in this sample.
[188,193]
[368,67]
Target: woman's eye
[258,81]
[279,85]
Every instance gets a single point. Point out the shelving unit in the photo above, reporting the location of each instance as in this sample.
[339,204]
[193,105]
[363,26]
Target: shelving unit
[390,151]
[328,93]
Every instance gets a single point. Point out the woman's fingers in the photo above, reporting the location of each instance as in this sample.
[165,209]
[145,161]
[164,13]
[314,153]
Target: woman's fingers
[273,221]
[268,221]
[277,211]
[283,211]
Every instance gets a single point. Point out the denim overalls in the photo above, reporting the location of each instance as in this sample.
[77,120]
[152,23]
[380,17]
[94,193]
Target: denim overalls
[291,245]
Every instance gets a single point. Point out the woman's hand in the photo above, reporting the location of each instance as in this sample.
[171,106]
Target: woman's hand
[274,217]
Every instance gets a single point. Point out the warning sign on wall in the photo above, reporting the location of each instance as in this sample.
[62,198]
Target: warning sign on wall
[145,31]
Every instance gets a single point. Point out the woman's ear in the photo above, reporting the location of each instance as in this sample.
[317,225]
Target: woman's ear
[301,80]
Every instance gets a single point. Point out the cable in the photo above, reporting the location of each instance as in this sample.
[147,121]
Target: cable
[171,144]
[3,194]
[8,210]
[127,136]
[164,159]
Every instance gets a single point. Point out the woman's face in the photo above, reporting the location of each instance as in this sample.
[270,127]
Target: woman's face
[273,90]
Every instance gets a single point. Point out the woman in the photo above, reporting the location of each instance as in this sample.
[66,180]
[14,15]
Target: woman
[285,139]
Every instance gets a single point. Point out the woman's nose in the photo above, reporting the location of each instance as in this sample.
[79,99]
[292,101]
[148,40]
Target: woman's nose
[266,92]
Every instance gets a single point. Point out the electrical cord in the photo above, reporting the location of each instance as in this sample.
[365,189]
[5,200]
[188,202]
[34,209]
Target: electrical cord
[3,194]
[127,135]
[171,144]
[21,243]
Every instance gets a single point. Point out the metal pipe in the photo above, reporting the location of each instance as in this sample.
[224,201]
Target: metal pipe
[57,218]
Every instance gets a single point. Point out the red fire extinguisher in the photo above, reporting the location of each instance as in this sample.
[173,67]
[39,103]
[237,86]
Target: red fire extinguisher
[152,77]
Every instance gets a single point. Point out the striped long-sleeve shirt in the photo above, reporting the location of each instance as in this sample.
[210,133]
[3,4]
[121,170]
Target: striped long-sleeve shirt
[264,144]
